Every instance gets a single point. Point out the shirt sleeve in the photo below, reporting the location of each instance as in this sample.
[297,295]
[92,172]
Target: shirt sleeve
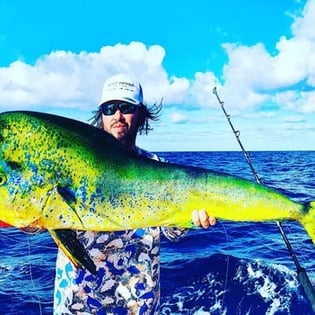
[174,234]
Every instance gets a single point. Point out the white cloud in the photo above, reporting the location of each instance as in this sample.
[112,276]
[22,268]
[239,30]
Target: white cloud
[252,74]
[178,118]
[294,119]
[177,91]
[303,26]
[67,80]
[295,61]
[300,102]
[256,84]
[202,89]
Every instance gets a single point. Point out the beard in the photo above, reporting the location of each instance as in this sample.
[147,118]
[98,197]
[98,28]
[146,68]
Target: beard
[124,134]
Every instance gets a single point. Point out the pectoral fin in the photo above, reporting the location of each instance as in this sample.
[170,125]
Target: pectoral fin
[67,241]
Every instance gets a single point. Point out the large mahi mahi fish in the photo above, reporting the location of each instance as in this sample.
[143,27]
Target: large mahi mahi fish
[58,174]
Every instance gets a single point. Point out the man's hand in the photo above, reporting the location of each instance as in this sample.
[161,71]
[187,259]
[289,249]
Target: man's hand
[202,219]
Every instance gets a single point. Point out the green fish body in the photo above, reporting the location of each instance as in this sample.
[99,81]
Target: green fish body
[58,173]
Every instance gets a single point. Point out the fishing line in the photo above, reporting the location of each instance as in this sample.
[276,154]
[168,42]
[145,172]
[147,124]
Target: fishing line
[31,276]
[228,261]
[302,256]
[301,272]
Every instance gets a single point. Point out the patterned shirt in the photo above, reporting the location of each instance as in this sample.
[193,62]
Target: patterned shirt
[128,270]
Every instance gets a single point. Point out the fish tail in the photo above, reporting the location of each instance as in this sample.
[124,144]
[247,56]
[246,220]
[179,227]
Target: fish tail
[308,221]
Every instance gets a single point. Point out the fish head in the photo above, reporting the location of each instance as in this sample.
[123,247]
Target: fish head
[31,173]
[22,194]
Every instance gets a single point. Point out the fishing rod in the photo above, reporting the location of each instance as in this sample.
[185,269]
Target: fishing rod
[301,272]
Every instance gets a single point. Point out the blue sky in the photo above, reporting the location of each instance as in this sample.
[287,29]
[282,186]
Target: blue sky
[55,56]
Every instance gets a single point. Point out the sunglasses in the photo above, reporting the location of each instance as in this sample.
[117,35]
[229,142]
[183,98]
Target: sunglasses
[111,108]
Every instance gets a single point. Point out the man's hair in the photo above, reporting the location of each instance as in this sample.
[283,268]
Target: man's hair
[145,115]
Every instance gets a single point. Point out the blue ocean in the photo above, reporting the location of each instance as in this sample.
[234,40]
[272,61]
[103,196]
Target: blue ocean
[232,268]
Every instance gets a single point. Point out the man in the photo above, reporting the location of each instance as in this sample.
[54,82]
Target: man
[127,280]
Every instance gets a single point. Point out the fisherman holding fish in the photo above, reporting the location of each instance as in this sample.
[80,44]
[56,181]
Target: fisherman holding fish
[74,179]
[127,279]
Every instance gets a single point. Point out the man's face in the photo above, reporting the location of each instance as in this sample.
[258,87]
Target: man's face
[123,127]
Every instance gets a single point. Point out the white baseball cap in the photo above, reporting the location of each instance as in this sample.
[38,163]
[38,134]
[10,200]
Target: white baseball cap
[122,87]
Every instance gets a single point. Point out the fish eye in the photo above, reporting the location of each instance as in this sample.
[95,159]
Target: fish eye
[3,179]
